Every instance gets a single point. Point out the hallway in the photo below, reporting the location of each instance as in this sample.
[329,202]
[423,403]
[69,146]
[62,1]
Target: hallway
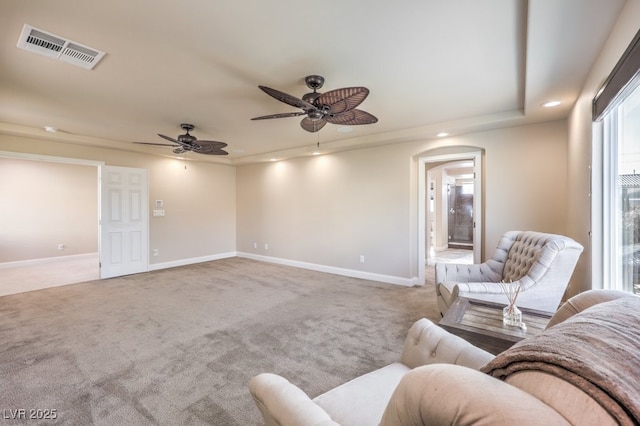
[27,276]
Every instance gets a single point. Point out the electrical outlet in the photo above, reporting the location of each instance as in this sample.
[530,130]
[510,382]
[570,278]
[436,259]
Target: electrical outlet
[266,246]
[362,258]
[156,252]
[255,245]
[60,246]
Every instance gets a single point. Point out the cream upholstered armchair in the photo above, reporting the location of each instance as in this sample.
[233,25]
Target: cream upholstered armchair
[362,401]
[582,370]
[541,263]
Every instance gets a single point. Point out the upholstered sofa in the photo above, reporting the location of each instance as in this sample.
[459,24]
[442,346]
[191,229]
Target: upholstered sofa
[541,263]
[441,379]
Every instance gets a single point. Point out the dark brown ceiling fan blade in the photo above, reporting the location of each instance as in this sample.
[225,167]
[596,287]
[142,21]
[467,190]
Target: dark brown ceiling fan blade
[287,99]
[157,144]
[312,125]
[170,139]
[212,152]
[342,100]
[353,117]
[215,144]
[281,115]
[209,149]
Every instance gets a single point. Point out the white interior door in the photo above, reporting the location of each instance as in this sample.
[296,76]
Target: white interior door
[124,221]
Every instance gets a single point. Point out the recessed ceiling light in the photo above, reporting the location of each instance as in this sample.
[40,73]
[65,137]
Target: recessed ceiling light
[316,153]
[273,159]
[551,104]
[50,129]
[442,134]
[345,129]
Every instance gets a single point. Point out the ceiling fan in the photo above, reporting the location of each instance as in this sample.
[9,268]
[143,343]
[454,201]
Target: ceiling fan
[188,142]
[335,107]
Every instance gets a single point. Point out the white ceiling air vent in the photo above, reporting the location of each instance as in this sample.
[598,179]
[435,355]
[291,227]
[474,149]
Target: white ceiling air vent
[53,46]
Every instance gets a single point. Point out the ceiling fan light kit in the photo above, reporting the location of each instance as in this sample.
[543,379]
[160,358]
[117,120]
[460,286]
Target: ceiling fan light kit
[336,106]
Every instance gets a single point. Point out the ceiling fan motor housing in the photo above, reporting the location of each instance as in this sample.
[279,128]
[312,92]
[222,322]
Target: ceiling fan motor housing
[315,115]
[187,138]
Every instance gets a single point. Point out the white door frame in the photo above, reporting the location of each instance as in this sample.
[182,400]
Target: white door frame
[476,156]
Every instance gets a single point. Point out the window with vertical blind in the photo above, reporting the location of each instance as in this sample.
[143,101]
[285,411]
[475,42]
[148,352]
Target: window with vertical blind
[617,106]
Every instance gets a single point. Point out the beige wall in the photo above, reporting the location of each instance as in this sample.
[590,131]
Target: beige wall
[199,202]
[581,142]
[200,208]
[46,204]
[525,180]
[330,209]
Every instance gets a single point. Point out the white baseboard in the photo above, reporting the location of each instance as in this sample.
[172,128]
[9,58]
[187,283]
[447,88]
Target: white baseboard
[45,260]
[190,261]
[389,279]
[407,282]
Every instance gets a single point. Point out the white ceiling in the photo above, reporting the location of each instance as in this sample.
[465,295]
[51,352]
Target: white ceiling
[431,66]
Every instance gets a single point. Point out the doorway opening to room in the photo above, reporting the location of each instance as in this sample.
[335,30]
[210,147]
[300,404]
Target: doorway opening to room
[450,207]
[460,210]
[449,212]
[118,248]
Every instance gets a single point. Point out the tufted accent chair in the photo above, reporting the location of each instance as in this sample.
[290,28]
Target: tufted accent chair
[542,264]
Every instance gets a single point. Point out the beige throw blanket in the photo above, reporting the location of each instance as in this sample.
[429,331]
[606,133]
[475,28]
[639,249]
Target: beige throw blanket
[597,350]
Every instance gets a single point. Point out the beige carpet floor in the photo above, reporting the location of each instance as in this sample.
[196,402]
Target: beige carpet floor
[179,346]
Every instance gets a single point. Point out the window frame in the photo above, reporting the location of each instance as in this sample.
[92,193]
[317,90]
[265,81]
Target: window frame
[623,80]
